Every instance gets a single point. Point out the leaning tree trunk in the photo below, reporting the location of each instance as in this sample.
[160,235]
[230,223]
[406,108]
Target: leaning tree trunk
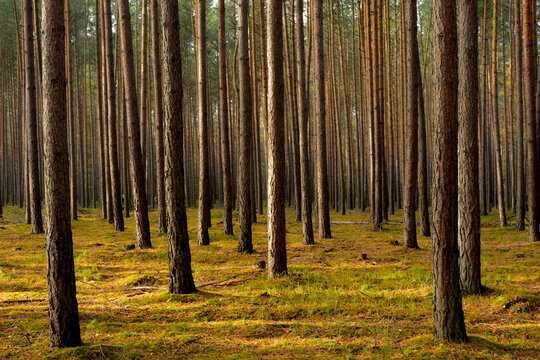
[63,309]
[448,319]
[468,186]
[245,244]
[411,139]
[31,119]
[320,117]
[202,113]
[529,78]
[136,168]
[158,118]
[277,251]
[181,278]
[228,201]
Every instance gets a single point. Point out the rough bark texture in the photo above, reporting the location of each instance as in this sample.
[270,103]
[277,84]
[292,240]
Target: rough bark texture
[529,79]
[228,201]
[158,118]
[245,244]
[181,278]
[277,251]
[320,119]
[448,319]
[31,119]
[303,122]
[468,187]
[518,106]
[114,167]
[411,134]
[136,168]
[202,112]
[423,186]
[63,309]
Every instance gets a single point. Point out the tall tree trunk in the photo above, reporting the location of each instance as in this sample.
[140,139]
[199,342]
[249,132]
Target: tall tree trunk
[158,118]
[320,118]
[228,201]
[181,277]
[116,186]
[136,168]
[518,106]
[496,128]
[529,88]
[63,309]
[411,140]
[468,195]
[202,113]
[277,251]
[303,120]
[448,316]
[245,244]
[423,184]
[31,119]
[71,113]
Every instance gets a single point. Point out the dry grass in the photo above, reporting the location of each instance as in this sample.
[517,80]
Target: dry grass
[334,304]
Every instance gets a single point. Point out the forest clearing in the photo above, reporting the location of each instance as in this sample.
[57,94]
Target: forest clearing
[333,304]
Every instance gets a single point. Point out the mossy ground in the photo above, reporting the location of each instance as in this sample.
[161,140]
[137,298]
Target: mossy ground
[333,304]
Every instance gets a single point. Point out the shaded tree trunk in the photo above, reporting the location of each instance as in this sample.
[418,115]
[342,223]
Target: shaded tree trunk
[468,186]
[63,308]
[31,119]
[136,168]
[448,316]
[181,278]
[245,244]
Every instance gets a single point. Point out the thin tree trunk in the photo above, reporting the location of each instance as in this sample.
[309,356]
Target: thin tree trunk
[137,169]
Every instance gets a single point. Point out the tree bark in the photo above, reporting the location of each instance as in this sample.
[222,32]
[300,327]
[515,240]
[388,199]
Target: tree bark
[529,78]
[411,140]
[158,118]
[202,113]
[277,251]
[63,309]
[468,186]
[245,244]
[181,278]
[228,201]
[320,118]
[31,119]
[447,304]
[518,106]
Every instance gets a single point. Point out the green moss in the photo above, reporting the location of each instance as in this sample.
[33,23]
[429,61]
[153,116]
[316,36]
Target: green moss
[333,304]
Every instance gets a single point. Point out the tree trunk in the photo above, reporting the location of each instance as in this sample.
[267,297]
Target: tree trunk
[468,186]
[136,168]
[31,119]
[181,278]
[447,304]
[411,140]
[277,251]
[518,106]
[202,113]
[303,121]
[158,118]
[63,309]
[116,186]
[529,77]
[320,118]
[228,201]
[245,244]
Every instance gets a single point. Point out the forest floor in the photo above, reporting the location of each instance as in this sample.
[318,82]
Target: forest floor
[358,295]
